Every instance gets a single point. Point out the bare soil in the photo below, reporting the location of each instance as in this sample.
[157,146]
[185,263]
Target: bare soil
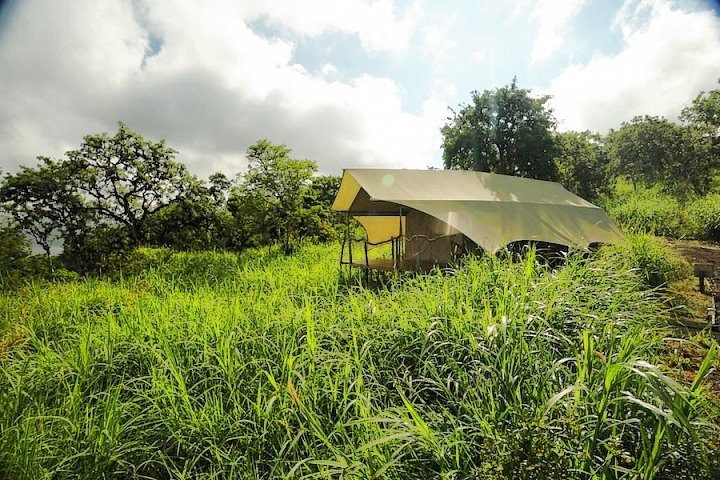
[682,356]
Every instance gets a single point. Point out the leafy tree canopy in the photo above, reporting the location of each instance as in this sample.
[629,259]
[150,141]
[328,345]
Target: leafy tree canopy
[653,150]
[582,163]
[102,195]
[14,245]
[704,111]
[503,131]
[279,182]
[703,117]
[44,203]
[125,178]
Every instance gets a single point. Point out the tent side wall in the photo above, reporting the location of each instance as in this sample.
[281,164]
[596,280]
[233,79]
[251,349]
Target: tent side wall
[429,240]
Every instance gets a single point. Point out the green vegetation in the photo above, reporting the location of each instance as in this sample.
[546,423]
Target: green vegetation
[648,210]
[260,365]
[254,358]
[116,193]
[703,218]
[503,131]
[657,264]
[651,210]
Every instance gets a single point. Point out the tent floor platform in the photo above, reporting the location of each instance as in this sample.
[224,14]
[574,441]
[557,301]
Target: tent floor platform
[389,265]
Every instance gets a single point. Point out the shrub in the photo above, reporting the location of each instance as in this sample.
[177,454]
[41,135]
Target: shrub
[703,218]
[144,258]
[14,246]
[656,262]
[100,251]
[647,210]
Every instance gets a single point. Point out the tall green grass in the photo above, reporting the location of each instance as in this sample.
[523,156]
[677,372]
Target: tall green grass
[703,218]
[653,211]
[214,366]
[656,262]
[648,210]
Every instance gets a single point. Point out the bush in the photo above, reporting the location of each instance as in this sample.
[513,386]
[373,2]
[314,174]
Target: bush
[36,267]
[144,258]
[14,246]
[703,218]
[647,210]
[657,263]
[100,251]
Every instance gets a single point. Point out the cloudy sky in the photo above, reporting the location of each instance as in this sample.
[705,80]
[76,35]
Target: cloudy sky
[346,83]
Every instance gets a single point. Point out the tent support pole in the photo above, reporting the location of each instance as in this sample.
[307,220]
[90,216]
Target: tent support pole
[401,237]
[367,264]
[367,261]
[349,242]
[345,238]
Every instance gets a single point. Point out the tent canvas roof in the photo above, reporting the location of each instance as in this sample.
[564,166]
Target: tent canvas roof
[490,209]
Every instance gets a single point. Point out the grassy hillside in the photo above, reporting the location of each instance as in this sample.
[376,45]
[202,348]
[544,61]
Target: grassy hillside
[212,365]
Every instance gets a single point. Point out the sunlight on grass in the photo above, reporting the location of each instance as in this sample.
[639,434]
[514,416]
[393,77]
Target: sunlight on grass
[213,365]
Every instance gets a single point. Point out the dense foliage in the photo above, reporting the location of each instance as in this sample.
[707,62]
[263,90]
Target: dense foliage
[118,192]
[653,210]
[652,150]
[213,365]
[583,164]
[510,131]
[502,131]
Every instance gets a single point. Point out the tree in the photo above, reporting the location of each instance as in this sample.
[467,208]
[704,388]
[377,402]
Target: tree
[219,186]
[705,111]
[322,190]
[582,163]
[99,198]
[653,150]
[44,203]
[14,246]
[703,117]
[196,221]
[281,183]
[125,178]
[251,218]
[322,223]
[502,131]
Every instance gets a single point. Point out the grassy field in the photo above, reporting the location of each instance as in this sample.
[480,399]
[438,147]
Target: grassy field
[214,365]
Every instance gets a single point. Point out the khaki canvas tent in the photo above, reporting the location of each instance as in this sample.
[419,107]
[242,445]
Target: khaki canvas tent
[431,216]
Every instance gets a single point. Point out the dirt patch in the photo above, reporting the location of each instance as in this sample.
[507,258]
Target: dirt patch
[692,305]
[701,252]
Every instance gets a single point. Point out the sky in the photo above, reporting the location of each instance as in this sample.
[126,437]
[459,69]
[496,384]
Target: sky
[346,83]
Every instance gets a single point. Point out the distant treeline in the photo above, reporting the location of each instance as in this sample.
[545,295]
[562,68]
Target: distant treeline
[115,193]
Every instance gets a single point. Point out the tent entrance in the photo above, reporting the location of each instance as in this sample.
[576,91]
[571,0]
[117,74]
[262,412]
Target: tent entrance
[405,239]
[384,232]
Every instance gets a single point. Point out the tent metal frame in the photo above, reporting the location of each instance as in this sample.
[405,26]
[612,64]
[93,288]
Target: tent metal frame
[397,243]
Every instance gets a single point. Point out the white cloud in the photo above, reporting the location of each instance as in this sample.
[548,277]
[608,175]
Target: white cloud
[437,41]
[553,16]
[213,87]
[329,70]
[376,23]
[668,57]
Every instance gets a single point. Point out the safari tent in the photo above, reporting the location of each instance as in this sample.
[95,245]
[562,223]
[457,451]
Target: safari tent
[430,217]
